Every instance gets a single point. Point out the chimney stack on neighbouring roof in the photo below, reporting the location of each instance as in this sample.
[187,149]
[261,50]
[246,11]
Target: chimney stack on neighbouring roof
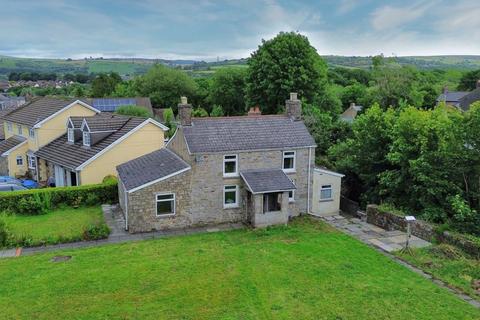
[254,111]
[445,90]
[478,83]
[185,112]
[293,107]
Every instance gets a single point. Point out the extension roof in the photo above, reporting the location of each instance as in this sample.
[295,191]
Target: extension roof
[267,180]
[10,143]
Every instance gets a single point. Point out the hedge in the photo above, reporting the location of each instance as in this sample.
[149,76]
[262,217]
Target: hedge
[34,201]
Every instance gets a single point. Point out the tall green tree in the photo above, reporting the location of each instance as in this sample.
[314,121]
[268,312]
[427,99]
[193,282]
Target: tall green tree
[284,64]
[468,82]
[228,90]
[104,84]
[165,86]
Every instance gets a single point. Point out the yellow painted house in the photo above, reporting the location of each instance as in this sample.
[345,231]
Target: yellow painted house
[77,144]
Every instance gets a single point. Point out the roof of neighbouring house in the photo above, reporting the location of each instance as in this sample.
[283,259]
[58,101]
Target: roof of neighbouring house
[245,133]
[150,168]
[351,112]
[72,155]
[329,172]
[112,104]
[38,109]
[453,96]
[10,143]
[267,180]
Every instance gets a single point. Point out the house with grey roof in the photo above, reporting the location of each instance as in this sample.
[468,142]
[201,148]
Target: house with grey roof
[255,169]
[459,99]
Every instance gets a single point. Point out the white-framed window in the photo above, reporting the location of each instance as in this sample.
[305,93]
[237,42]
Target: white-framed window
[9,126]
[326,192]
[230,165]
[288,162]
[32,163]
[86,138]
[31,133]
[230,196]
[19,129]
[70,135]
[165,204]
[19,160]
[291,194]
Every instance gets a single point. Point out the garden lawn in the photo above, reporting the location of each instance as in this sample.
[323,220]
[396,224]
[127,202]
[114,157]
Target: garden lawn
[304,271]
[61,225]
[448,264]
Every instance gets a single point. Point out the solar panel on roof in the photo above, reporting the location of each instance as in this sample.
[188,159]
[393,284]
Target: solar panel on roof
[110,105]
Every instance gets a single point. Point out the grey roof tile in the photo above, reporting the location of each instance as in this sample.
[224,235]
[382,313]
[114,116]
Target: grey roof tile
[267,180]
[150,167]
[453,96]
[10,143]
[246,133]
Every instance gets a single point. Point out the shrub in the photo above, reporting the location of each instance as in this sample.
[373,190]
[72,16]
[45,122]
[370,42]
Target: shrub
[134,111]
[36,200]
[110,179]
[464,218]
[3,233]
[96,232]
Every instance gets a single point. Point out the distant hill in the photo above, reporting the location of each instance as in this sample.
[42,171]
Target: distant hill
[126,66]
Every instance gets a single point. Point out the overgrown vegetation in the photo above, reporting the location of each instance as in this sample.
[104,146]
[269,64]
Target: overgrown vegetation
[134,111]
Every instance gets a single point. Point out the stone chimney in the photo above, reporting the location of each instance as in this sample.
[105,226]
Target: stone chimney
[185,112]
[254,111]
[478,83]
[445,90]
[293,107]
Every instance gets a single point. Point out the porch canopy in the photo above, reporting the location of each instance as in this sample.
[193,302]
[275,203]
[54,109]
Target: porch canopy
[267,181]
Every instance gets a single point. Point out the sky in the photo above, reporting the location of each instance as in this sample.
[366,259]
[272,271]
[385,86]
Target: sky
[207,29]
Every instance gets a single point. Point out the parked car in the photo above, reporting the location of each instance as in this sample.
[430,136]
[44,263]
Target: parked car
[5,187]
[11,180]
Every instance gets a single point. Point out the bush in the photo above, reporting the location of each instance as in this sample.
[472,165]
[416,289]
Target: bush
[37,201]
[464,218]
[96,232]
[133,111]
[3,233]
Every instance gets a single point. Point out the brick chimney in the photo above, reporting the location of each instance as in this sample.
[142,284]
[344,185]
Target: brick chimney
[254,111]
[185,112]
[293,107]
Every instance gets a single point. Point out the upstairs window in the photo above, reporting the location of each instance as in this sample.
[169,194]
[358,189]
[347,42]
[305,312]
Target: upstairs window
[230,165]
[165,204]
[19,130]
[86,139]
[288,161]
[31,133]
[326,192]
[70,135]
[9,127]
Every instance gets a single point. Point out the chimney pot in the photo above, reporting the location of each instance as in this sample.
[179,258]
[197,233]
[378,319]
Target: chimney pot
[293,96]
[254,111]
[184,100]
[352,104]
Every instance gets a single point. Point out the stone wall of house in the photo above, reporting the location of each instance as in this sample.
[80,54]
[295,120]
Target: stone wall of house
[390,221]
[3,166]
[261,219]
[142,205]
[178,145]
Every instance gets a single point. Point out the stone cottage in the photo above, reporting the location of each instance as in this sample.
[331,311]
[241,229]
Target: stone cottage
[255,169]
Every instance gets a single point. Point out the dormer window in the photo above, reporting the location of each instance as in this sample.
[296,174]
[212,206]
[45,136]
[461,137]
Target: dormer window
[19,129]
[86,138]
[70,135]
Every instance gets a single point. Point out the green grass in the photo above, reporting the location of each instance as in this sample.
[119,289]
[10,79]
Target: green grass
[61,225]
[449,264]
[303,271]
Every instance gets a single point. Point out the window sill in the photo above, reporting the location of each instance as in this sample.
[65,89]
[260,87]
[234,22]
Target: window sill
[291,201]
[165,215]
[231,206]
[325,200]
[236,175]
[289,170]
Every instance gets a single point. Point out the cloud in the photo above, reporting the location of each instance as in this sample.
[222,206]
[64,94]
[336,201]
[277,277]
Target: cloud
[388,17]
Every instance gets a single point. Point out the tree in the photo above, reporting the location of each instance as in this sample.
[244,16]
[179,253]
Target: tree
[134,111]
[228,90]
[165,86]
[169,120]
[468,82]
[199,113]
[104,84]
[284,64]
[354,93]
[217,111]
[201,97]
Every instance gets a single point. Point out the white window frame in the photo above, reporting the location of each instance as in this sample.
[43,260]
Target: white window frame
[70,135]
[32,163]
[326,187]
[20,129]
[292,198]
[31,133]
[284,156]
[9,126]
[225,160]
[236,203]
[86,134]
[165,200]
[19,157]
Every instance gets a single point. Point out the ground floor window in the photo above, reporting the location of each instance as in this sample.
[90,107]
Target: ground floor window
[230,196]
[326,192]
[272,202]
[32,163]
[165,204]
[19,161]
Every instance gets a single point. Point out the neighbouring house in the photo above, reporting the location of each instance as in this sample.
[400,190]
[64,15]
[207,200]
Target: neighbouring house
[351,113]
[112,104]
[92,146]
[3,113]
[7,102]
[32,126]
[255,169]
[326,192]
[460,99]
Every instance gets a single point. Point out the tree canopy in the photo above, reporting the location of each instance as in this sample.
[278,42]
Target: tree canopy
[228,90]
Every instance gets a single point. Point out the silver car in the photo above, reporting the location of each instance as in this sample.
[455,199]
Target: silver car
[11,187]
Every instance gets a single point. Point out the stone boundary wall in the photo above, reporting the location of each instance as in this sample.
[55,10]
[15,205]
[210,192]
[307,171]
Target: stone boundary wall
[349,206]
[463,242]
[390,221]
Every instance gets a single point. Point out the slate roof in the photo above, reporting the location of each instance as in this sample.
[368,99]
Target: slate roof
[3,114]
[267,180]
[453,96]
[149,168]
[105,122]
[72,155]
[209,135]
[37,110]
[10,143]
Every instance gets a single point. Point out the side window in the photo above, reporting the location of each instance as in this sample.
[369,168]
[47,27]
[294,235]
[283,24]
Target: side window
[326,192]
